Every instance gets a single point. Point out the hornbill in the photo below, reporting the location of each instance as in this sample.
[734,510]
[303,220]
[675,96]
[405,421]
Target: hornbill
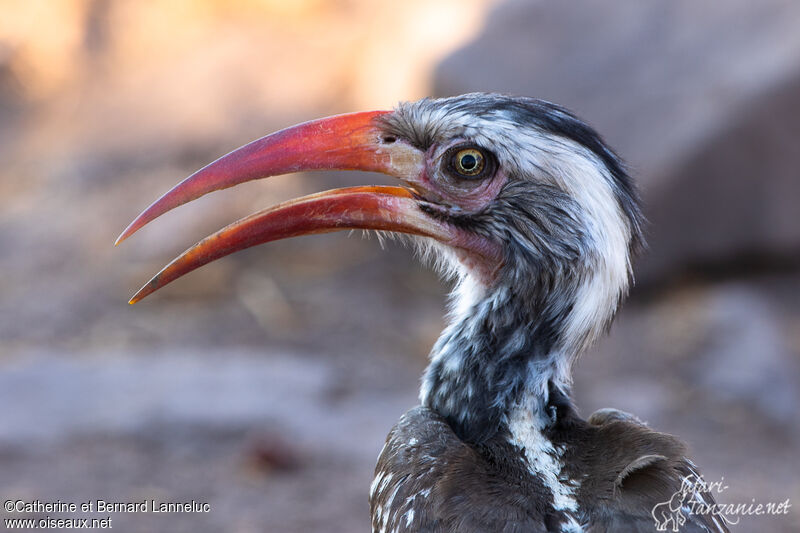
[537,220]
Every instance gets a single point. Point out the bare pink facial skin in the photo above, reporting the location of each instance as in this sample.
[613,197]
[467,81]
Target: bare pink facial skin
[437,187]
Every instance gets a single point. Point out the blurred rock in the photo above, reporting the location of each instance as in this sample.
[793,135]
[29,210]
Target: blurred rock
[730,345]
[746,358]
[702,99]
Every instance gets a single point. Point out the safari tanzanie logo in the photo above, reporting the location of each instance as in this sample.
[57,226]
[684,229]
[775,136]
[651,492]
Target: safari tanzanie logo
[694,498]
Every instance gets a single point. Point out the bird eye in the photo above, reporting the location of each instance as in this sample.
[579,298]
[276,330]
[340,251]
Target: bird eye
[469,162]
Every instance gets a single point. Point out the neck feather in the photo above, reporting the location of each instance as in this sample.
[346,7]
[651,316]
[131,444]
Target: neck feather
[498,353]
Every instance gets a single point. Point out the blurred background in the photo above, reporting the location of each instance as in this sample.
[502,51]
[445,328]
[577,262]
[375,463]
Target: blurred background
[265,383]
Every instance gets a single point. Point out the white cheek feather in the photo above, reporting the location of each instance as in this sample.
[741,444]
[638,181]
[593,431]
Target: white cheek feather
[597,298]
[578,172]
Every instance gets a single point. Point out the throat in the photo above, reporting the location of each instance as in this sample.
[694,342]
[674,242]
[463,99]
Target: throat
[500,376]
[494,367]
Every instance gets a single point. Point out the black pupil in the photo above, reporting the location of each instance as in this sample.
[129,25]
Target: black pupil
[469,162]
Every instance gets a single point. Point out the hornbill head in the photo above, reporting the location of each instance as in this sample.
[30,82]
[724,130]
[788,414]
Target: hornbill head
[532,210]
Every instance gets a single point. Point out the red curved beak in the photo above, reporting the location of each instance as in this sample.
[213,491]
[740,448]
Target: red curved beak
[346,142]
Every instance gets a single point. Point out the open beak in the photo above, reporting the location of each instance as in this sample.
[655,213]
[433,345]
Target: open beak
[345,142]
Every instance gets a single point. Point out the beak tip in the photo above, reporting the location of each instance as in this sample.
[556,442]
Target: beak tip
[127,232]
[136,298]
[150,287]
